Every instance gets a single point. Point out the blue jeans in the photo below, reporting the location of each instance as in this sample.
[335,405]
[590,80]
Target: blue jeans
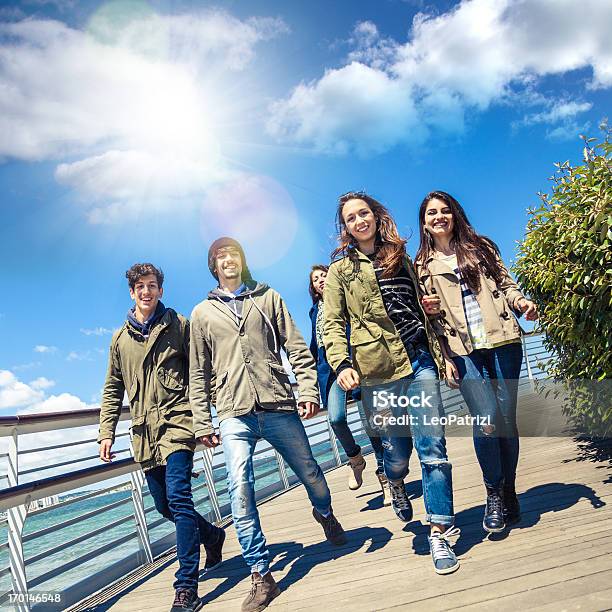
[429,440]
[336,412]
[285,433]
[489,385]
[170,487]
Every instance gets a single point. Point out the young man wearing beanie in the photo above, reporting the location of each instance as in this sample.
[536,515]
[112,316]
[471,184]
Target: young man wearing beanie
[149,358]
[237,334]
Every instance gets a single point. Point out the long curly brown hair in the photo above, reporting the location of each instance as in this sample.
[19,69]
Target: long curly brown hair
[475,253]
[390,246]
[314,294]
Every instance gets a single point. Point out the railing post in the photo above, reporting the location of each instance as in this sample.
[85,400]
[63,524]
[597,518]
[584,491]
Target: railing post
[334,442]
[207,460]
[137,480]
[16,521]
[282,470]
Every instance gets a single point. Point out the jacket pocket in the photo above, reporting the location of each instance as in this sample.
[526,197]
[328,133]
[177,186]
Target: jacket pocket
[140,439]
[371,355]
[363,335]
[221,381]
[281,383]
[169,379]
[221,395]
[133,390]
[178,422]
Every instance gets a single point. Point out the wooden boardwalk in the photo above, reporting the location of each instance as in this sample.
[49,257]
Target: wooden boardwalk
[558,557]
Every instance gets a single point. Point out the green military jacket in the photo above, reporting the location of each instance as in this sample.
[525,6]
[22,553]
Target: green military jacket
[154,371]
[354,297]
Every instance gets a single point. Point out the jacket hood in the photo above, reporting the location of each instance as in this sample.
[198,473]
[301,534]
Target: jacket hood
[253,288]
[145,328]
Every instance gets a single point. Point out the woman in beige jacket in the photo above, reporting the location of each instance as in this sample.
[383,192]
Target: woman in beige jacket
[470,297]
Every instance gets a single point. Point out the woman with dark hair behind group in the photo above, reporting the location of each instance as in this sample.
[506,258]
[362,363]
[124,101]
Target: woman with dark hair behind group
[334,398]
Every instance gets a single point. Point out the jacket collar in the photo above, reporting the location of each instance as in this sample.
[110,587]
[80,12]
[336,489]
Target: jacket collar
[363,257]
[435,265]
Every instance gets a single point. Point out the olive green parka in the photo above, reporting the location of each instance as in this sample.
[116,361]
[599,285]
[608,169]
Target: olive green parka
[353,296]
[155,372]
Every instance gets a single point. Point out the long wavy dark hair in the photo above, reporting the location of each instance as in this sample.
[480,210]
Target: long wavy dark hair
[390,246]
[314,294]
[475,253]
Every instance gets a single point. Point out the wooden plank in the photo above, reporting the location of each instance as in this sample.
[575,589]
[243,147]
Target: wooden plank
[561,550]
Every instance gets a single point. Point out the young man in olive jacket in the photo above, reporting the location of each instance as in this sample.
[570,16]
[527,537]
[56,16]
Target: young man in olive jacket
[237,334]
[149,359]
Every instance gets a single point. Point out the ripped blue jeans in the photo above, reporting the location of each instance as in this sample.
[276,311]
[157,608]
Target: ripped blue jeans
[415,401]
[285,433]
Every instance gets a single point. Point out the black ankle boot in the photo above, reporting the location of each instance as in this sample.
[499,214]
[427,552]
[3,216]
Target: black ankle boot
[493,520]
[512,508]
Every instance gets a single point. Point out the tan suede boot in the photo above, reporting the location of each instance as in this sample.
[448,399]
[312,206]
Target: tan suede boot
[356,466]
[263,590]
[384,485]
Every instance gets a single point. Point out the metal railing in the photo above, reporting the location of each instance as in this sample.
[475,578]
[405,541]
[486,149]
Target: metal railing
[118,521]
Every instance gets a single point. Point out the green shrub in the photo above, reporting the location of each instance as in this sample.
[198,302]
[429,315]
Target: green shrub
[565,264]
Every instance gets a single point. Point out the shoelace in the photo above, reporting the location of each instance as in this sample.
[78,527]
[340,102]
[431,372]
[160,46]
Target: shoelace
[440,543]
[255,583]
[182,598]
[494,503]
[400,497]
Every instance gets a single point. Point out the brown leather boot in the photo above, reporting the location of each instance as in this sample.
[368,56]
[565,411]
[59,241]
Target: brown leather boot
[331,527]
[356,466]
[263,590]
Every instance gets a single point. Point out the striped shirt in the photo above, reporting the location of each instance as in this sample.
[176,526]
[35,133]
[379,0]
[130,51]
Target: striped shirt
[473,314]
[402,305]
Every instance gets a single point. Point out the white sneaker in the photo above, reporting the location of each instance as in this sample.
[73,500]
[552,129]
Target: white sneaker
[444,559]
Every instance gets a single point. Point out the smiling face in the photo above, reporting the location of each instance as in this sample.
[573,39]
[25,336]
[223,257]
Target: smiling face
[317,278]
[146,293]
[360,222]
[228,264]
[438,219]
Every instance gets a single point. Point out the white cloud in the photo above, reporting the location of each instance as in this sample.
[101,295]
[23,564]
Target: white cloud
[97,331]
[480,53]
[560,117]
[42,383]
[560,111]
[26,366]
[14,393]
[19,398]
[79,356]
[568,131]
[64,402]
[370,48]
[131,107]
[42,348]
[356,106]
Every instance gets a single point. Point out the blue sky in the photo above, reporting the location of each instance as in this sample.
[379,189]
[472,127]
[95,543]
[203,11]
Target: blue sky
[140,131]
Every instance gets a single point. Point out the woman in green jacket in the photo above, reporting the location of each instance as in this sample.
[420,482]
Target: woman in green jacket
[471,297]
[373,287]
